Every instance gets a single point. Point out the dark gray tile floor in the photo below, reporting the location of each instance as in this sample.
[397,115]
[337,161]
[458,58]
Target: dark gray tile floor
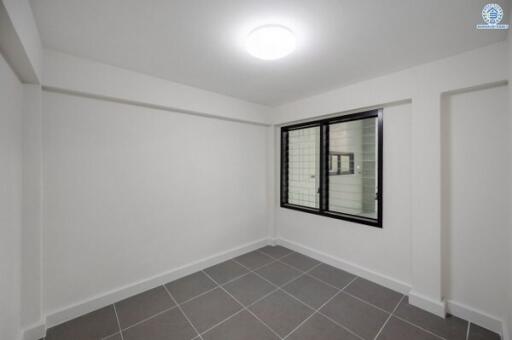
[269,294]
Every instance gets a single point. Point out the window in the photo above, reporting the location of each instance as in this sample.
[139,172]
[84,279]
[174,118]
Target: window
[333,167]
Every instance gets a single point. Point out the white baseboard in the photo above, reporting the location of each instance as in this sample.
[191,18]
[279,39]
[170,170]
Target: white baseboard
[70,312]
[436,307]
[272,241]
[353,268]
[477,317]
[507,335]
[35,332]
[430,305]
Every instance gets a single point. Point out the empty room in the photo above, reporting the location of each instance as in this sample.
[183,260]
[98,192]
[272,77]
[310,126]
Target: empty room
[255,170]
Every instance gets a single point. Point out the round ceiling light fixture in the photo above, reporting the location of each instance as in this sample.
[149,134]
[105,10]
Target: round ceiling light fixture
[270,42]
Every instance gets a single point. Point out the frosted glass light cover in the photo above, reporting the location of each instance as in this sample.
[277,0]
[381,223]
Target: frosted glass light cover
[271,42]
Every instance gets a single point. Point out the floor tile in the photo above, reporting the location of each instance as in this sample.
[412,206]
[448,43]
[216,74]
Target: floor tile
[95,325]
[225,271]
[242,326]
[112,337]
[254,260]
[360,317]
[451,327]
[210,309]
[275,251]
[351,314]
[321,328]
[397,329]
[375,294]
[190,286]
[336,277]
[278,273]
[300,261]
[142,306]
[310,290]
[249,288]
[171,325]
[281,312]
[479,333]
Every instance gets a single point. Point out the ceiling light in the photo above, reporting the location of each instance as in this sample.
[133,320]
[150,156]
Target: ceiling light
[270,42]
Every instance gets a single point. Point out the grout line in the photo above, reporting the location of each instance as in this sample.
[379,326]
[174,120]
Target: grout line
[177,305]
[183,312]
[306,274]
[249,269]
[340,325]
[315,312]
[259,252]
[341,290]
[297,268]
[118,323]
[389,317]
[275,258]
[325,282]
[417,326]
[467,330]
[392,313]
[368,303]
[248,310]
[287,282]
[241,310]
[106,337]
[413,324]
[220,322]
[225,283]
[148,318]
[318,311]
[197,296]
[257,300]
[330,284]
[277,288]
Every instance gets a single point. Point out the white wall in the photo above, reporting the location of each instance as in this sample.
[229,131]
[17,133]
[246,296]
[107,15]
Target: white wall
[10,201]
[509,323]
[68,73]
[384,251]
[31,237]
[19,40]
[132,192]
[476,201]
[421,272]
[20,45]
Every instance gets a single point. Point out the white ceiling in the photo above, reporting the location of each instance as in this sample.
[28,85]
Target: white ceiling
[199,42]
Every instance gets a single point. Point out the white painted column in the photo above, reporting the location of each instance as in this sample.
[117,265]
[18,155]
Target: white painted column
[426,254]
[31,234]
[272,182]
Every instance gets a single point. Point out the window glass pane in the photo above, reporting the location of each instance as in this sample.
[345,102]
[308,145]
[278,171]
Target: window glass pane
[353,185]
[303,167]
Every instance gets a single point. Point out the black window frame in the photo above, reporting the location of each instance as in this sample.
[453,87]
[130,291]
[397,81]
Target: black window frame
[324,124]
